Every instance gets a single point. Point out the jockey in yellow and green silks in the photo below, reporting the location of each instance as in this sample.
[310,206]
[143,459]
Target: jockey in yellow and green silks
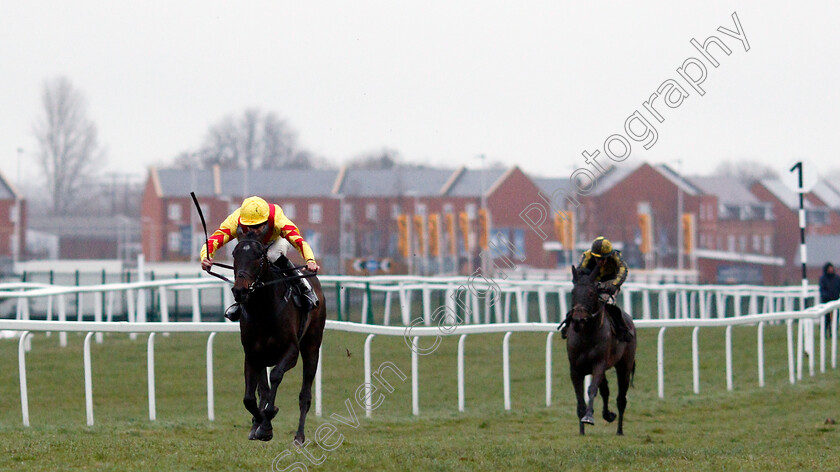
[612,272]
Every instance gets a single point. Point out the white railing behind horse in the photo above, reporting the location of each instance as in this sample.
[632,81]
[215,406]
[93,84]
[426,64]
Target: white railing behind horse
[26,327]
[689,301]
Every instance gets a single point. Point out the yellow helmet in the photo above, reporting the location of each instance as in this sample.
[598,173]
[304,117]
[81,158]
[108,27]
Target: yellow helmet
[601,247]
[254,211]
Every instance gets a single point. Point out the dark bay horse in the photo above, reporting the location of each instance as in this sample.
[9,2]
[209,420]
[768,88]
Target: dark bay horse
[593,349]
[269,327]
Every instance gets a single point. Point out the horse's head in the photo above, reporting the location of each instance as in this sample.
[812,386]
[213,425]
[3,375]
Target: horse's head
[250,262]
[586,305]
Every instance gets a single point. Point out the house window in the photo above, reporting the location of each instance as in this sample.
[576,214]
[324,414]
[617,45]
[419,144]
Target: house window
[173,241]
[742,243]
[315,213]
[313,238]
[173,211]
[347,211]
[421,209]
[768,244]
[370,211]
[395,210]
[730,243]
[290,210]
[471,210]
[448,208]
[816,217]
[756,243]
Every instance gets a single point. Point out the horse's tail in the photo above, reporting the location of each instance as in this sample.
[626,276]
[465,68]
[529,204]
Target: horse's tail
[632,373]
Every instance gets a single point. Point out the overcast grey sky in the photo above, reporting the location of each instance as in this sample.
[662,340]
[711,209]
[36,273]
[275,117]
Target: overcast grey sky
[529,83]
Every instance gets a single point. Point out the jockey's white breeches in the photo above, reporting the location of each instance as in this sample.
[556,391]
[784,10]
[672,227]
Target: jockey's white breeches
[279,247]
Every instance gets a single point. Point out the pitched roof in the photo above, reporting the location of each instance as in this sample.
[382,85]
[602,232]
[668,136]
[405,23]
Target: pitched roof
[180,182]
[549,185]
[729,190]
[612,177]
[278,182]
[270,182]
[678,180]
[788,197]
[7,190]
[401,180]
[469,183]
[827,193]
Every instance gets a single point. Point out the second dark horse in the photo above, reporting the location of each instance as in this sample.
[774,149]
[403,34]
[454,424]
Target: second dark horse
[593,348]
[269,327]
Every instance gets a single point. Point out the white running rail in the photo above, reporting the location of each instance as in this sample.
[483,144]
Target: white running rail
[413,335]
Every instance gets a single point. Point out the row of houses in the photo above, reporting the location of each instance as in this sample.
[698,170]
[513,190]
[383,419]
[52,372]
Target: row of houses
[741,233]
[349,215]
[499,217]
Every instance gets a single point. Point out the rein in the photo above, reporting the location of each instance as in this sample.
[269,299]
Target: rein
[258,284]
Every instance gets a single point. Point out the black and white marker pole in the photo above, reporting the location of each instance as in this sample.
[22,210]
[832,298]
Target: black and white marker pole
[803,249]
[805,329]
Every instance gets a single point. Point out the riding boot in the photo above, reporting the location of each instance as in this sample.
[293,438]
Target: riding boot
[305,298]
[622,331]
[233,312]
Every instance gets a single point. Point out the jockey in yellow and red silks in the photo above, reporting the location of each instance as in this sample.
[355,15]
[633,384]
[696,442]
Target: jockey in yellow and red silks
[253,216]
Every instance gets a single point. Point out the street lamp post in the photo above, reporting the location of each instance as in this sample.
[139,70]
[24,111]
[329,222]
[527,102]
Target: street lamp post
[485,262]
[341,238]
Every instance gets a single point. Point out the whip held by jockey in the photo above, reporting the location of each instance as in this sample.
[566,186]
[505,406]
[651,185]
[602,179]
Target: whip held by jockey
[280,233]
[612,272]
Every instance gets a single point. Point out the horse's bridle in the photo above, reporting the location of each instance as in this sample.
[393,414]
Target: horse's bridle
[257,282]
[590,315]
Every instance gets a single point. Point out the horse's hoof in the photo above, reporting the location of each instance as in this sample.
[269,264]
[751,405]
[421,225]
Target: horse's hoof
[300,439]
[609,416]
[263,434]
[588,419]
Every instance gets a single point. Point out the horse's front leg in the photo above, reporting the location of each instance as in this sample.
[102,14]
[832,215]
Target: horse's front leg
[309,354]
[577,383]
[609,416]
[597,378]
[624,374]
[250,398]
[287,361]
[262,388]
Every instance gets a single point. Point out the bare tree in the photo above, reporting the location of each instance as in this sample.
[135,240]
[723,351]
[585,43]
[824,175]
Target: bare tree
[253,140]
[69,148]
[745,171]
